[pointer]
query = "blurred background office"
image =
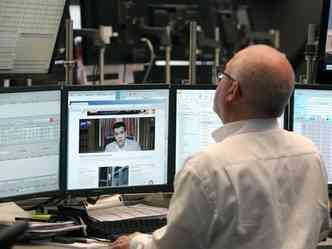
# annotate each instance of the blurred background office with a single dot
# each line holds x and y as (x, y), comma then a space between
(137, 48)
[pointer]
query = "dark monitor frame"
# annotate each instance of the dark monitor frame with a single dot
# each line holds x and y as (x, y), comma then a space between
(126, 189)
(287, 116)
(55, 193)
(323, 75)
(291, 114)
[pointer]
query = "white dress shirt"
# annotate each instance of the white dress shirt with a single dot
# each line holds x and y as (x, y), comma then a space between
(129, 145)
(259, 186)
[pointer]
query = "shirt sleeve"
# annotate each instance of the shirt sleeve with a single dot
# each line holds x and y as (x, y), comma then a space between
(189, 218)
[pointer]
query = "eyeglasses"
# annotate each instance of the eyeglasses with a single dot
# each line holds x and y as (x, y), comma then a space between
(222, 75)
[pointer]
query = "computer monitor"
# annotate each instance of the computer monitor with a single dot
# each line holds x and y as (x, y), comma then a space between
(30, 121)
(311, 110)
(196, 120)
(28, 32)
(117, 139)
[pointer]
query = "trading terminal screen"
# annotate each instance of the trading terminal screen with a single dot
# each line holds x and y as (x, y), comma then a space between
(117, 138)
(29, 142)
(312, 117)
(195, 122)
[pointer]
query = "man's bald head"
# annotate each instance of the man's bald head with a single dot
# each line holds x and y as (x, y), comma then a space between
(266, 79)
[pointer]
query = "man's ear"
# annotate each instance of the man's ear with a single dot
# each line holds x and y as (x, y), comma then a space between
(233, 92)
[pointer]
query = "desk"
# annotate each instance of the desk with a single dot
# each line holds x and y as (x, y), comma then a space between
(37, 247)
(53, 247)
(323, 245)
(82, 246)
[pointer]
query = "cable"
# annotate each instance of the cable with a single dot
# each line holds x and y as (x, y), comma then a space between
(152, 57)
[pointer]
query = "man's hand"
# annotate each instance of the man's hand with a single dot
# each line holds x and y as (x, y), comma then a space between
(121, 243)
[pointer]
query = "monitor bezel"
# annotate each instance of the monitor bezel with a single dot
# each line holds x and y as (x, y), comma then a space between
(286, 117)
(54, 193)
(126, 189)
(194, 87)
(323, 76)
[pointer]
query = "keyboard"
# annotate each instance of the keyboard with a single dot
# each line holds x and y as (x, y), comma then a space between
(113, 229)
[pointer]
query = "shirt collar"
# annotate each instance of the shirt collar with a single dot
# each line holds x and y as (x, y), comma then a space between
(251, 125)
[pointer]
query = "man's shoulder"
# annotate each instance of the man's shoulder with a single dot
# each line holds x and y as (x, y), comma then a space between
(278, 135)
(302, 141)
(207, 170)
(204, 162)
(132, 144)
(251, 146)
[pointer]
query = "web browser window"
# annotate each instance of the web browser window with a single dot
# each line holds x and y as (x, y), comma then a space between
(117, 138)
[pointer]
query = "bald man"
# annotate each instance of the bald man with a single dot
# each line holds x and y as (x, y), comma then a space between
(259, 186)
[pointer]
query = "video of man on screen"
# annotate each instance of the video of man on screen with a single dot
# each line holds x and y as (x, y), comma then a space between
(117, 135)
